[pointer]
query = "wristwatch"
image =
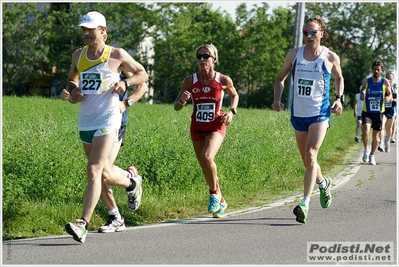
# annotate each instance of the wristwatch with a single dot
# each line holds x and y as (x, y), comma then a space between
(127, 83)
(341, 97)
(233, 110)
(129, 102)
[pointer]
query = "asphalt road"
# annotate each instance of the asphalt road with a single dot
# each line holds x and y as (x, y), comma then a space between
(363, 209)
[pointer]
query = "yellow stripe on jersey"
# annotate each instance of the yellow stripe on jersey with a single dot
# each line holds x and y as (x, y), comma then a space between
(85, 64)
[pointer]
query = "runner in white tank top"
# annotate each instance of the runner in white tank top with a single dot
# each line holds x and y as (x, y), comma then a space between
(93, 81)
(311, 86)
(311, 67)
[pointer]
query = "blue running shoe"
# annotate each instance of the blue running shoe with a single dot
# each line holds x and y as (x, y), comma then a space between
(214, 203)
(220, 212)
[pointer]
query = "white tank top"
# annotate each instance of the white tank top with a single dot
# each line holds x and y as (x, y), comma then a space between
(359, 105)
(100, 108)
(311, 81)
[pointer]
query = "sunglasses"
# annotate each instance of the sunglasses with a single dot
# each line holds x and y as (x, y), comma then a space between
(311, 32)
(205, 56)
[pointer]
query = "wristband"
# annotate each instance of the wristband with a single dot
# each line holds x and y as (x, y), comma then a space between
(340, 97)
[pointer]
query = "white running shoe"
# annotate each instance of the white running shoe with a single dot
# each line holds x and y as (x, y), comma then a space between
(134, 196)
(113, 225)
(132, 170)
(372, 159)
(380, 148)
(77, 230)
(387, 147)
(366, 154)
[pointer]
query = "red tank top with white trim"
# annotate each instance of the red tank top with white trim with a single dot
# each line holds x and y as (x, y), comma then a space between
(207, 101)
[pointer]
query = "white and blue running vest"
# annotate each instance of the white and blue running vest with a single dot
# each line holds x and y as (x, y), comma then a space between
(100, 108)
(311, 81)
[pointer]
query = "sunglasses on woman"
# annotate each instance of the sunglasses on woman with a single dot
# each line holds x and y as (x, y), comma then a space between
(205, 56)
(311, 32)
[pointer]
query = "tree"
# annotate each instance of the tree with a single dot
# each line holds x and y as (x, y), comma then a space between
(264, 41)
(39, 38)
(360, 33)
(183, 27)
(22, 33)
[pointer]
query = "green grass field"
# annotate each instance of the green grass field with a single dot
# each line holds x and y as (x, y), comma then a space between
(44, 166)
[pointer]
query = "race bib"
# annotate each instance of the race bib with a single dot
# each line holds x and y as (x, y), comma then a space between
(375, 105)
(91, 83)
(305, 88)
(388, 104)
(205, 112)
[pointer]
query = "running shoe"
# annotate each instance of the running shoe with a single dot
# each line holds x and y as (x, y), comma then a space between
(214, 203)
(78, 230)
(113, 225)
(357, 139)
(393, 140)
(372, 159)
(301, 212)
(366, 154)
(134, 196)
(220, 212)
(132, 170)
(380, 148)
(325, 194)
(387, 147)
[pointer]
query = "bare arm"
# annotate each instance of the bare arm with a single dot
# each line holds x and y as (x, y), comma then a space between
(339, 81)
(184, 94)
(388, 94)
(362, 93)
(128, 64)
(228, 85)
(75, 95)
(279, 83)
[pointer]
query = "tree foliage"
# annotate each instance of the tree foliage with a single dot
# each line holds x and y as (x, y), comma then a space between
(39, 39)
(21, 35)
(190, 25)
(264, 41)
(252, 46)
(360, 33)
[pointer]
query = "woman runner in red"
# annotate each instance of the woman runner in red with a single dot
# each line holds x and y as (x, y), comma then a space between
(208, 120)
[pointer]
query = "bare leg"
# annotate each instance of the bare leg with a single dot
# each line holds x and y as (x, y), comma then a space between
(374, 142)
(365, 136)
(388, 129)
(97, 153)
(309, 144)
(206, 152)
(106, 193)
(394, 124)
(358, 127)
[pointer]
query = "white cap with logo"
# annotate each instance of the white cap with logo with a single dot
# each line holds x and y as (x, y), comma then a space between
(92, 20)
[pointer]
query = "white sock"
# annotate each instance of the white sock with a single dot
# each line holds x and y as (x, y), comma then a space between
(115, 212)
(322, 184)
(306, 201)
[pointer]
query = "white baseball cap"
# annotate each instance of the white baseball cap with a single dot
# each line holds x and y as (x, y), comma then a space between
(92, 20)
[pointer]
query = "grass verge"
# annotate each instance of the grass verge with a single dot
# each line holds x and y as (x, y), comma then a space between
(44, 164)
